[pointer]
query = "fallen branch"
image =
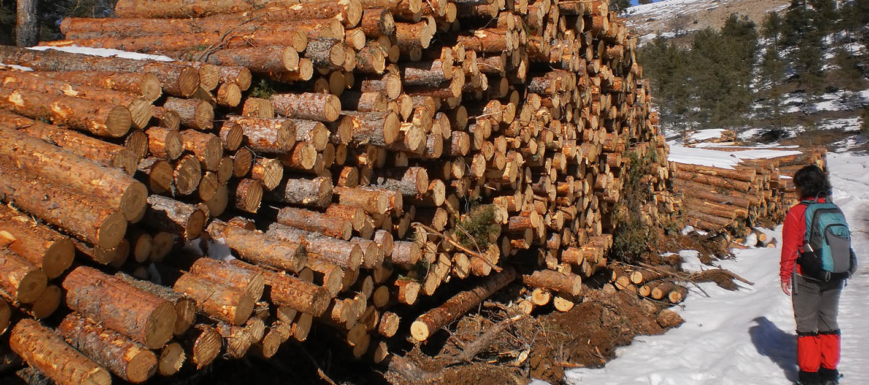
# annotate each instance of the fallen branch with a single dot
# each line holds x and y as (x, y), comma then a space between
(458, 245)
(471, 350)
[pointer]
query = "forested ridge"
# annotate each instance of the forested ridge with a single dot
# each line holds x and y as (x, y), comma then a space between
(739, 75)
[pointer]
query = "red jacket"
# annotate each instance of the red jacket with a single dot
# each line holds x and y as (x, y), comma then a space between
(793, 239)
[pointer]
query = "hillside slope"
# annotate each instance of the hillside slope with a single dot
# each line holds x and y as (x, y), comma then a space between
(674, 16)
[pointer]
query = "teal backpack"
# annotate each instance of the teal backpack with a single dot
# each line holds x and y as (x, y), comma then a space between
(827, 254)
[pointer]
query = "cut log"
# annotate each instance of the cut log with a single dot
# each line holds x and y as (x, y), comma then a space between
(206, 147)
(315, 222)
(104, 153)
(122, 356)
(165, 143)
(46, 351)
(182, 219)
(285, 290)
(67, 210)
(171, 359)
(185, 308)
(315, 192)
(167, 118)
(176, 79)
(145, 84)
(218, 301)
(236, 276)
(202, 345)
(97, 118)
(458, 305)
(115, 188)
(265, 135)
(40, 245)
(268, 171)
(372, 200)
(21, 279)
(187, 174)
(143, 317)
(340, 252)
(258, 248)
(568, 284)
(322, 107)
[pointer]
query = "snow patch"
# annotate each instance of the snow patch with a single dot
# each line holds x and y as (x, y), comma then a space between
(105, 52)
(722, 159)
(15, 67)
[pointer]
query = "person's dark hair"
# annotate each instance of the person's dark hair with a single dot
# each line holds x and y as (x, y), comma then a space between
(811, 182)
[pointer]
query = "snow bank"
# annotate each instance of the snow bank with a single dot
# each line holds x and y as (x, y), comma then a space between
(15, 67)
(712, 133)
(104, 52)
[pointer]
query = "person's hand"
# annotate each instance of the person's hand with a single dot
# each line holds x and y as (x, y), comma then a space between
(786, 287)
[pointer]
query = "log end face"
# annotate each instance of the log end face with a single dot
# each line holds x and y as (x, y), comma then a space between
(118, 121)
(141, 366)
(47, 303)
(244, 309)
(332, 110)
(419, 331)
(134, 201)
(188, 81)
(320, 301)
(58, 258)
(160, 325)
(150, 87)
(111, 231)
(185, 310)
(31, 286)
(195, 224)
(207, 347)
(347, 233)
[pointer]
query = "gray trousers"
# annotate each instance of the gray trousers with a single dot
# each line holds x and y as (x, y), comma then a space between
(816, 304)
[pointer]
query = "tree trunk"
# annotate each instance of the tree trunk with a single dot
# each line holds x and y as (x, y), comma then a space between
(143, 84)
(122, 356)
(40, 245)
(176, 79)
(286, 290)
(182, 219)
(372, 200)
(144, 317)
(260, 249)
(46, 351)
(26, 28)
(65, 209)
(218, 301)
(315, 222)
(458, 305)
(322, 107)
(100, 119)
(334, 250)
(185, 308)
(235, 276)
(266, 135)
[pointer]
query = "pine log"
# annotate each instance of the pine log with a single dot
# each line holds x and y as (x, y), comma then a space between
(458, 305)
(100, 119)
(194, 113)
(167, 118)
(203, 344)
(409, 182)
(235, 276)
(176, 79)
(337, 251)
(46, 351)
(265, 135)
(328, 274)
(165, 143)
(372, 200)
(114, 187)
(315, 222)
(376, 128)
(45, 248)
(143, 317)
(104, 153)
(315, 192)
(144, 84)
(21, 279)
(182, 219)
(122, 356)
(322, 107)
(286, 290)
(260, 249)
(60, 207)
(568, 284)
(256, 59)
(185, 308)
(216, 300)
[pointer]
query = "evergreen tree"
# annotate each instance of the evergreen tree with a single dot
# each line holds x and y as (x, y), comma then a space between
(847, 74)
(645, 1)
(772, 71)
(772, 26)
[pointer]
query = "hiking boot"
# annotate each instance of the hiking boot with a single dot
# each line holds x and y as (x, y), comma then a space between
(809, 378)
(828, 376)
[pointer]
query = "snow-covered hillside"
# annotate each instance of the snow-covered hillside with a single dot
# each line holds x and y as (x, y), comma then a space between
(747, 337)
(670, 17)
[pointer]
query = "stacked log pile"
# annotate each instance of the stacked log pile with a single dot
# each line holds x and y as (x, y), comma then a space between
(715, 135)
(754, 193)
(371, 165)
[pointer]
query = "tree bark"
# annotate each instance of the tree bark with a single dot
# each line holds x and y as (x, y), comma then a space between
(568, 284)
(26, 28)
(267, 135)
(334, 250)
(143, 317)
(315, 222)
(236, 276)
(286, 290)
(47, 249)
(122, 356)
(221, 302)
(322, 107)
(46, 351)
(260, 249)
(182, 219)
(315, 192)
(185, 308)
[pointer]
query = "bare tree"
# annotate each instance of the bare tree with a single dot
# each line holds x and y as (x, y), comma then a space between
(26, 31)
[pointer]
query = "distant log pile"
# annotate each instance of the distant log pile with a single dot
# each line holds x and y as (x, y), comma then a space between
(716, 135)
(349, 160)
(753, 193)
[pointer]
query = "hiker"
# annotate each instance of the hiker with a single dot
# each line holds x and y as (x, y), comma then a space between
(807, 268)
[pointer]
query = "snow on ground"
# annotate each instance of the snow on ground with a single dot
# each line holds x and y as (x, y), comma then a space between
(15, 67)
(700, 135)
(722, 159)
(105, 52)
(747, 337)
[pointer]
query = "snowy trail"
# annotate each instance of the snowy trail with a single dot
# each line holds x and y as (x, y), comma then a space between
(747, 337)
